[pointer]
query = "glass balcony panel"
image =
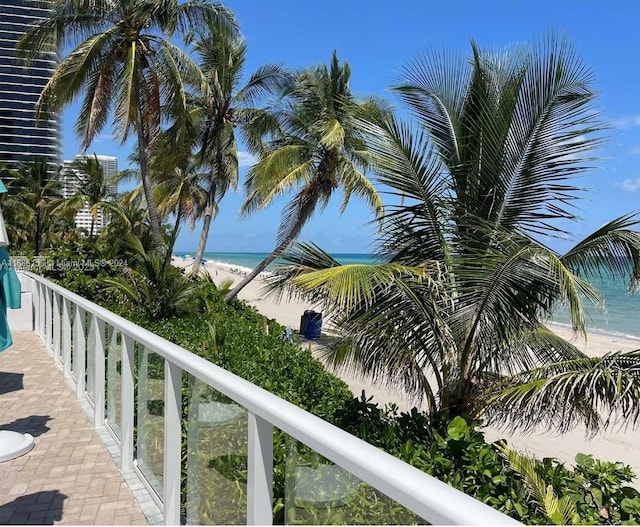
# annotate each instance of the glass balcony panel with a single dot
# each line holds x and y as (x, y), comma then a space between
(319, 492)
(150, 417)
(91, 359)
(56, 329)
(114, 379)
(216, 491)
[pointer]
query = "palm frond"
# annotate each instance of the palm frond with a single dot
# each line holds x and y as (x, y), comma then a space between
(127, 97)
(559, 511)
(595, 392)
(614, 248)
(71, 75)
(353, 181)
(276, 174)
(351, 285)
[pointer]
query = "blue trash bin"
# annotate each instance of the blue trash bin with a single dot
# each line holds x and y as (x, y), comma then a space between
(314, 325)
(303, 321)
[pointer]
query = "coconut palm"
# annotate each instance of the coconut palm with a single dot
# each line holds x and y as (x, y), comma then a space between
(34, 194)
(16, 218)
(153, 284)
(124, 63)
(133, 218)
(227, 106)
(91, 189)
(318, 149)
(180, 189)
(454, 311)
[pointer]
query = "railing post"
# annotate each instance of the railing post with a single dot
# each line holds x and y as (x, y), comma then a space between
(57, 326)
(66, 337)
(126, 401)
(260, 471)
(172, 442)
(41, 310)
(79, 352)
(35, 304)
(48, 326)
(36, 307)
(99, 372)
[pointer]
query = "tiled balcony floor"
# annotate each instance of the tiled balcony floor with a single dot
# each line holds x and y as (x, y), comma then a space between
(69, 477)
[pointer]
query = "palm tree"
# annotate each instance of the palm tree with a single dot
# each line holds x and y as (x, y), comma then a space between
(33, 195)
(124, 63)
(180, 189)
(16, 218)
(91, 189)
(454, 312)
(154, 285)
(133, 219)
(319, 148)
(224, 108)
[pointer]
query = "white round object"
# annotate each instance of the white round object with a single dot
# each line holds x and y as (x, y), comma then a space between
(14, 444)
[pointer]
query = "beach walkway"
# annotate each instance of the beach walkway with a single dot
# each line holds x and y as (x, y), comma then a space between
(69, 477)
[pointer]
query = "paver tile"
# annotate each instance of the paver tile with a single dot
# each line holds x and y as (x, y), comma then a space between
(69, 477)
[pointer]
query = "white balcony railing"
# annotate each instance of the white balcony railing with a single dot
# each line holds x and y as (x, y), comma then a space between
(133, 381)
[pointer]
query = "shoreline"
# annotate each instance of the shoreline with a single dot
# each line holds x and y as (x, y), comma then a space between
(613, 445)
(562, 326)
(184, 260)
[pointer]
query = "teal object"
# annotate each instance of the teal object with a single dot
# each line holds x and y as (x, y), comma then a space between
(10, 289)
(3, 189)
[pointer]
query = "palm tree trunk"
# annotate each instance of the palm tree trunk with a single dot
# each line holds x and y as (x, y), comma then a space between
(36, 244)
(91, 227)
(284, 245)
(174, 235)
(177, 224)
(154, 217)
(206, 225)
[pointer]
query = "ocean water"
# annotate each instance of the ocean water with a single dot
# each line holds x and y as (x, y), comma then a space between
(621, 314)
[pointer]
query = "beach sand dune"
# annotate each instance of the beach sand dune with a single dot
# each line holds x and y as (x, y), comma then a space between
(612, 445)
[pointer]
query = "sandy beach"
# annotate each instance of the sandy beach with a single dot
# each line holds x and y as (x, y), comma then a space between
(613, 445)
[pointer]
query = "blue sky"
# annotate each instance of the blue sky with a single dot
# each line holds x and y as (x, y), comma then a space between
(378, 39)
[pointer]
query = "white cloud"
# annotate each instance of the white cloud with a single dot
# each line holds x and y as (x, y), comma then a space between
(635, 150)
(627, 122)
(245, 159)
(104, 137)
(572, 141)
(631, 185)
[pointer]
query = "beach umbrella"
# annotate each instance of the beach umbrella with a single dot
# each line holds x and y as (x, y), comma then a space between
(12, 444)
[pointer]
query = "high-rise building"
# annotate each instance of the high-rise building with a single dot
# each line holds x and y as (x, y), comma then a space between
(21, 139)
(71, 178)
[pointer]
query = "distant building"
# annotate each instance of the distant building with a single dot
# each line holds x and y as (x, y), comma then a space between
(20, 139)
(70, 178)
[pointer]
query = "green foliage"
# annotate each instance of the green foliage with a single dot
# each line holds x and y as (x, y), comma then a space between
(557, 510)
(238, 344)
(607, 496)
(78, 265)
(31, 204)
(153, 284)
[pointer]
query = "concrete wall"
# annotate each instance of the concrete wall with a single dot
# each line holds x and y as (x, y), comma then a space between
(22, 319)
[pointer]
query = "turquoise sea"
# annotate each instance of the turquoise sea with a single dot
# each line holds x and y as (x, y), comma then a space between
(622, 310)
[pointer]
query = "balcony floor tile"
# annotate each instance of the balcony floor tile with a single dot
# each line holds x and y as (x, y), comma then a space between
(69, 477)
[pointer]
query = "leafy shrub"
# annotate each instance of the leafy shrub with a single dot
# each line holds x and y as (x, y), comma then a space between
(153, 284)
